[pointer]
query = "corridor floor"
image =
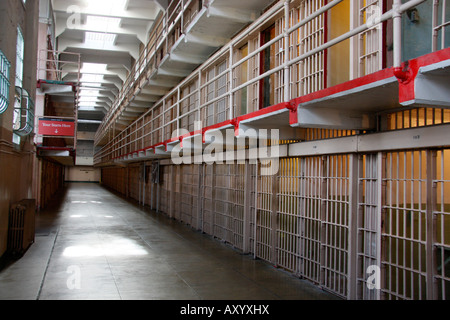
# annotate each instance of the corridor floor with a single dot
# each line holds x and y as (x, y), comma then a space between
(95, 245)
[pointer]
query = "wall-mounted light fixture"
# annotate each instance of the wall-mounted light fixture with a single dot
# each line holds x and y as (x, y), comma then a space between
(413, 15)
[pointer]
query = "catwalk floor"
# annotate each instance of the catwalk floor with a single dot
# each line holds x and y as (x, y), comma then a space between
(94, 245)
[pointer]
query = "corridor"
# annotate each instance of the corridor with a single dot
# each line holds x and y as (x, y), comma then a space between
(94, 245)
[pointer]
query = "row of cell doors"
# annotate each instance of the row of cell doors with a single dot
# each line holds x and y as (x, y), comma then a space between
(363, 226)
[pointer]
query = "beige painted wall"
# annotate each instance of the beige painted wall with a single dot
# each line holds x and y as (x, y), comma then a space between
(82, 174)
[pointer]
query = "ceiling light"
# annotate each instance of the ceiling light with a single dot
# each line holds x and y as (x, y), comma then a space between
(100, 40)
(93, 68)
(103, 24)
(88, 104)
(107, 6)
(91, 80)
(89, 93)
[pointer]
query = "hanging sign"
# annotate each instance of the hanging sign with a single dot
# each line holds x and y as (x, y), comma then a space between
(56, 127)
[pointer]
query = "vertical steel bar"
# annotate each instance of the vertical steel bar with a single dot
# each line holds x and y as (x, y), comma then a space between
(144, 184)
(431, 224)
(247, 210)
(158, 195)
(354, 176)
(322, 214)
(286, 52)
(390, 231)
(255, 226)
(200, 183)
(381, 219)
(274, 217)
(404, 223)
(444, 7)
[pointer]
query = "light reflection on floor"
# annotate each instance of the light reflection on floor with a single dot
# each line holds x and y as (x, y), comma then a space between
(116, 247)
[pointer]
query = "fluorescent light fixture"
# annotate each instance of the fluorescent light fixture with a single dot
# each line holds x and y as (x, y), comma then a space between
(100, 40)
(88, 104)
(107, 6)
(92, 80)
(85, 99)
(102, 24)
(89, 93)
(93, 68)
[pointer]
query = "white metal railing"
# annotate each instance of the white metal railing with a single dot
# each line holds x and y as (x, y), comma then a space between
(52, 69)
(23, 122)
(439, 27)
(167, 29)
(4, 82)
(141, 134)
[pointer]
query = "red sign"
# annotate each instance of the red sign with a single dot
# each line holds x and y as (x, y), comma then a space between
(54, 127)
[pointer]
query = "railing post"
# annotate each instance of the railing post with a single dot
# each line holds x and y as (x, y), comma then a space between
(397, 29)
(287, 75)
(230, 81)
(434, 32)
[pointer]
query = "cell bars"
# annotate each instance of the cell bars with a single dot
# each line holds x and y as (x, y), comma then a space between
(229, 204)
(189, 194)
(307, 76)
(362, 226)
(370, 41)
(405, 230)
(416, 234)
(441, 213)
(369, 223)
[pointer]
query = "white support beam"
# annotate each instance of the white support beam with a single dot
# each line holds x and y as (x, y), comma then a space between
(134, 110)
(232, 14)
(433, 89)
(130, 48)
(179, 73)
(154, 91)
(195, 60)
(417, 138)
(164, 4)
(146, 98)
(283, 132)
(129, 31)
(328, 118)
(165, 83)
(86, 8)
(206, 40)
(140, 104)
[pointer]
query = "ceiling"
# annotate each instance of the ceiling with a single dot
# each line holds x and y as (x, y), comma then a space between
(108, 35)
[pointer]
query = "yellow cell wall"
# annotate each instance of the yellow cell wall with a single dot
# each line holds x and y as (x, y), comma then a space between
(338, 55)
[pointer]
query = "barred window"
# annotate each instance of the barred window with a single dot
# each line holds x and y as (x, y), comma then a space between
(19, 58)
(4, 82)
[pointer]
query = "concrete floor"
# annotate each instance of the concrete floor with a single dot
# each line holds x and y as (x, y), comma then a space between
(94, 245)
